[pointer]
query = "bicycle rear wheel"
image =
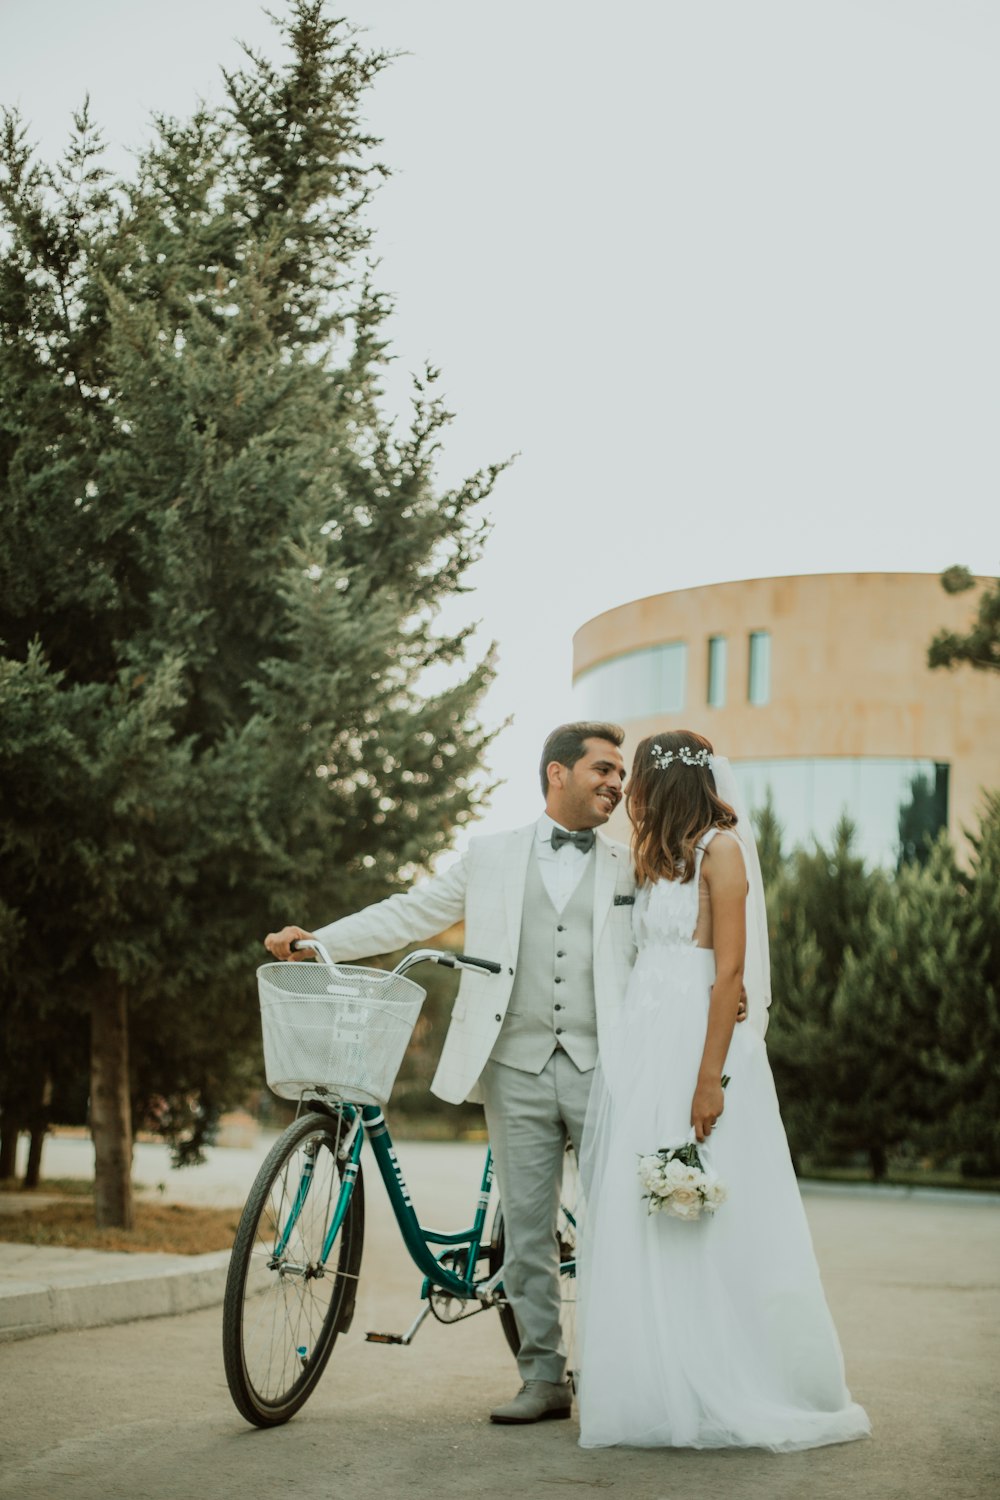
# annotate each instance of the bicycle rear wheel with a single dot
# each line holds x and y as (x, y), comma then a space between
(566, 1236)
(284, 1303)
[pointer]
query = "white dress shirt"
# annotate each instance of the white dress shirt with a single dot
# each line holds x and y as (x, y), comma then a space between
(562, 868)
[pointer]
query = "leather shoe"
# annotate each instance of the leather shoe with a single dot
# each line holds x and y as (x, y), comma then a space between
(537, 1401)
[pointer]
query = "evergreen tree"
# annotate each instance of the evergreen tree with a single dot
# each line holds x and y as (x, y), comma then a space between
(218, 579)
(897, 976)
(979, 647)
(969, 1016)
(817, 910)
(923, 816)
(767, 831)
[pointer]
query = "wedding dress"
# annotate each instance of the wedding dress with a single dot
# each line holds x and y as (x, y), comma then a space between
(714, 1332)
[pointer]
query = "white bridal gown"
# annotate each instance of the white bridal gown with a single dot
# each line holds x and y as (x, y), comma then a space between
(709, 1333)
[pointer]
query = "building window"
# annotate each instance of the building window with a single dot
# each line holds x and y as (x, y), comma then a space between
(897, 806)
(759, 689)
(635, 685)
(717, 671)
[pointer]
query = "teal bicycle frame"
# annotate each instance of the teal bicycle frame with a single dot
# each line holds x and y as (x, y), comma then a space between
(465, 1245)
(459, 1282)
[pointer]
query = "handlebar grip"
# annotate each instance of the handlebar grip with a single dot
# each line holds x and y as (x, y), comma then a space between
(299, 945)
(480, 963)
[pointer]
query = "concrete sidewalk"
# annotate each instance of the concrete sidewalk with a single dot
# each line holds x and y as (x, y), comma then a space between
(46, 1289)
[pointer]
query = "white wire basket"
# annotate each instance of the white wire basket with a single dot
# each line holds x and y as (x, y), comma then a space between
(335, 1030)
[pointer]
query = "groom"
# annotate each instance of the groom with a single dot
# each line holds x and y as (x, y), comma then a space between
(553, 904)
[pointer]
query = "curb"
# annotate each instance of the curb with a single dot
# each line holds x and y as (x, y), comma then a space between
(112, 1294)
(896, 1191)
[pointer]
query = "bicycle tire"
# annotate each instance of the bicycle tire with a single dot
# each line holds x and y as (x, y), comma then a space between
(283, 1310)
(566, 1231)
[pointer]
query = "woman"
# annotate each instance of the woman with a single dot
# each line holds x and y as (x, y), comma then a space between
(714, 1331)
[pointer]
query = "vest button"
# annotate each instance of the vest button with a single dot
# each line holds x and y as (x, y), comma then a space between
(558, 1031)
(560, 954)
(560, 929)
(557, 1007)
(558, 979)
(498, 1018)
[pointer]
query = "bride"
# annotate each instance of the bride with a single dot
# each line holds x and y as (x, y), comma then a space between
(708, 1332)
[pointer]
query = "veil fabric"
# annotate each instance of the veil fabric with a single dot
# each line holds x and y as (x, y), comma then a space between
(757, 964)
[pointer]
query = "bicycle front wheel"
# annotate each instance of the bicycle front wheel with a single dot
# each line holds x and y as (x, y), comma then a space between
(285, 1301)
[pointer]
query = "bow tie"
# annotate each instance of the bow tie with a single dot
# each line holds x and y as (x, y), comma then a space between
(583, 839)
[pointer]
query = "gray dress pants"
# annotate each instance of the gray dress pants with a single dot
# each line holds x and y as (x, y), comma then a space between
(529, 1116)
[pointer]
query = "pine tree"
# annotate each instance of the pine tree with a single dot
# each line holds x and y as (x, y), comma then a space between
(767, 831)
(896, 978)
(979, 647)
(817, 909)
(923, 815)
(969, 1017)
(218, 580)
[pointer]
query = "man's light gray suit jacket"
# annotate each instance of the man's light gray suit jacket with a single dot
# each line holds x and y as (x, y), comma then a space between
(485, 888)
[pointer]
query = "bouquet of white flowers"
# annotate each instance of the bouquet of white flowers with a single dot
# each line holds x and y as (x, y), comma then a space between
(677, 1182)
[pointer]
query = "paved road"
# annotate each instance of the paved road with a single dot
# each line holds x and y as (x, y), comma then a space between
(141, 1411)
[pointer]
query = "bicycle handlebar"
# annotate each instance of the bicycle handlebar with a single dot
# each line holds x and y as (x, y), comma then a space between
(464, 960)
(422, 955)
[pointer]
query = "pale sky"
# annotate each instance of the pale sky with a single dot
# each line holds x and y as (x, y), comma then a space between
(723, 274)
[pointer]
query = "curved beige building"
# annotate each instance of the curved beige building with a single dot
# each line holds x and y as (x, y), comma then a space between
(818, 688)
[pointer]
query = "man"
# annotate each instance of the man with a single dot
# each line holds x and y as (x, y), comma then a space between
(552, 903)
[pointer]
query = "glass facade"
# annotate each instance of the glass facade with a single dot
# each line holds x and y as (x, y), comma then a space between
(759, 679)
(634, 685)
(717, 671)
(896, 805)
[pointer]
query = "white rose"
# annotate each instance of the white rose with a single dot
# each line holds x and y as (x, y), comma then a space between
(649, 1171)
(685, 1203)
(715, 1195)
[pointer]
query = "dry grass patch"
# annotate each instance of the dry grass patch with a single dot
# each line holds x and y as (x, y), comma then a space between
(171, 1228)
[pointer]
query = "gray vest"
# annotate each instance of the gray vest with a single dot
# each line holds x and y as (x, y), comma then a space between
(552, 1001)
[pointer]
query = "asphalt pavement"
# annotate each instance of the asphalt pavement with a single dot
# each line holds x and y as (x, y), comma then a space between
(140, 1410)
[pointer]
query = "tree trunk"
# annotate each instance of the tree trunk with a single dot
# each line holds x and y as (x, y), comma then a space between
(38, 1124)
(9, 1133)
(111, 1109)
(879, 1160)
(33, 1171)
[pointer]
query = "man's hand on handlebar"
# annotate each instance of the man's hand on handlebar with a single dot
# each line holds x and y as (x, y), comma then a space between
(278, 943)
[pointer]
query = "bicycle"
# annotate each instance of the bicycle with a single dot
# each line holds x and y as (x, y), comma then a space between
(293, 1274)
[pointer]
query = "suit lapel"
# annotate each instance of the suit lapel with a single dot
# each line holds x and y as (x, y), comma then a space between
(605, 879)
(515, 874)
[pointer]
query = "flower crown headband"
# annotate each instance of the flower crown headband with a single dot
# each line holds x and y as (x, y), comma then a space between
(663, 758)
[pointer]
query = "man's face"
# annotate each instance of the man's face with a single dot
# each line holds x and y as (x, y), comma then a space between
(585, 795)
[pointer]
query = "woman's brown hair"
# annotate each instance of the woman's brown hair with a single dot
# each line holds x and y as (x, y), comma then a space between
(672, 807)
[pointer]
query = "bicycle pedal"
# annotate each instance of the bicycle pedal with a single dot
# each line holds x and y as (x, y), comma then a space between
(384, 1338)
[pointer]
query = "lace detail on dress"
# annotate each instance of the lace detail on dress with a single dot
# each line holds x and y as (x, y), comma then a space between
(665, 915)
